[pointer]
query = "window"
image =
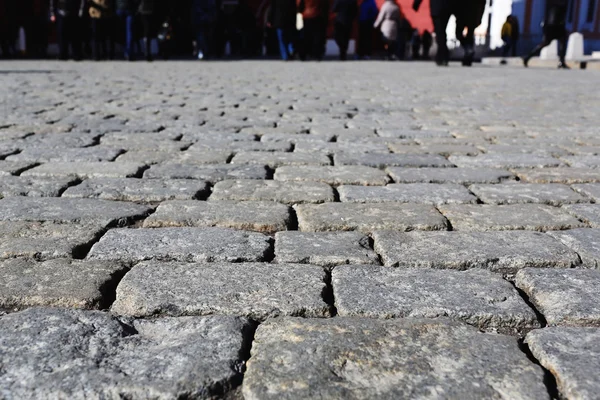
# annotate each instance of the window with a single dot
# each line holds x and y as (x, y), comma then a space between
(590, 11)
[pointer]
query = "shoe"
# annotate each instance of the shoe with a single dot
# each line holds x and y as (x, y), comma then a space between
(563, 65)
(503, 62)
(525, 62)
(200, 55)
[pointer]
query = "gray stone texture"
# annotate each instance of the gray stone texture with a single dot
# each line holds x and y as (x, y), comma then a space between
(586, 242)
(588, 213)
(140, 190)
(34, 187)
(582, 161)
(211, 173)
(56, 283)
(477, 297)
(333, 148)
(70, 210)
(278, 159)
(181, 157)
(425, 193)
(76, 354)
(258, 216)
(464, 176)
(557, 175)
(343, 358)
(87, 154)
(181, 244)
(327, 249)
(485, 217)
(506, 160)
(504, 252)
(282, 192)
(382, 160)
(8, 168)
(591, 190)
(367, 218)
(254, 290)
(85, 170)
(563, 296)
(346, 175)
(573, 357)
(520, 193)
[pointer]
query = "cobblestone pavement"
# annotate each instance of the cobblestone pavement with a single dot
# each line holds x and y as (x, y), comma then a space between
(263, 230)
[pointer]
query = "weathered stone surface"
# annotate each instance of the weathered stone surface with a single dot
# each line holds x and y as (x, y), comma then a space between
(588, 213)
(181, 157)
(413, 134)
(282, 192)
(442, 149)
(465, 176)
(367, 218)
(564, 297)
(327, 249)
(258, 216)
(60, 140)
(7, 149)
(87, 154)
(332, 148)
(228, 145)
(504, 252)
(586, 242)
(381, 160)
(138, 142)
(76, 354)
(506, 160)
(56, 283)
(8, 168)
(278, 159)
(534, 217)
(591, 190)
(343, 358)
(573, 357)
(425, 193)
(541, 149)
(347, 175)
(557, 175)
(254, 290)
(587, 161)
(519, 193)
(85, 170)
(69, 210)
(46, 240)
(212, 173)
(181, 244)
(34, 187)
(143, 190)
(477, 297)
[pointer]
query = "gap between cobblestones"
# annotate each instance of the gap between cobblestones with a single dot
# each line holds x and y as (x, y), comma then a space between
(549, 378)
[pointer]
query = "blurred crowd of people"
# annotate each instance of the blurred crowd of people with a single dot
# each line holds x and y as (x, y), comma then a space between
(206, 29)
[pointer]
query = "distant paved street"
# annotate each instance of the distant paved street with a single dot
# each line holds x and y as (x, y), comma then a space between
(269, 230)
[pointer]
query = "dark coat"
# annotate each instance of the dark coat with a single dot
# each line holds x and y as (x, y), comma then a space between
(345, 11)
(67, 8)
(282, 14)
(125, 5)
(556, 12)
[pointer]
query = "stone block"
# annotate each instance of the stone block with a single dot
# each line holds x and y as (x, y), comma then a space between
(34, 187)
(86, 154)
(557, 175)
(85, 170)
(463, 176)
(278, 159)
(346, 175)
(588, 213)
(591, 190)
(424, 193)
(8, 168)
(506, 160)
(520, 193)
(282, 192)
(211, 173)
(586, 242)
(381, 160)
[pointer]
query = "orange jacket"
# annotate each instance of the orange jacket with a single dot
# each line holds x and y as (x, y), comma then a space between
(313, 8)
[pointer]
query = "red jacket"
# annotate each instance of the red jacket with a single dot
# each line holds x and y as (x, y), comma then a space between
(313, 8)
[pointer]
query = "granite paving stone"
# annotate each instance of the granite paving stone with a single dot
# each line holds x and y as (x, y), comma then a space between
(327, 249)
(585, 161)
(565, 296)
(140, 190)
(425, 193)
(590, 190)
(520, 193)
(258, 216)
(345, 175)
(557, 175)
(53, 209)
(368, 218)
(56, 283)
(181, 244)
(46, 240)
(140, 143)
(179, 157)
(503, 252)
(279, 191)
(75, 354)
(254, 290)
(87, 154)
(586, 242)
(572, 354)
(381, 160)
(333, 148)
(464, 176)
(59, 140)
(211, 173)
(8, 168)
(342, 358)
(278, 159)
(34, 187)
(477, 297)
(240, 146)
(442, 149)
(505, 160)
(85, 170)
(588, 213)
(485, 217)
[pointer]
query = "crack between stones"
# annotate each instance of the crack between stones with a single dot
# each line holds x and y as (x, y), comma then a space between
(327, 294)
(549, 379)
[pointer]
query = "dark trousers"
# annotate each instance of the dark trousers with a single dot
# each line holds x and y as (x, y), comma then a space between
(514, 47)
(147, 35)
(103, 38)
(285, 39)
(36, 31)
(314, 37)
(67, 28)
(553, 32)
(204, 33)
(508, 45)
(365, 39)
(440, 22)
(342, 38)
(126, 20)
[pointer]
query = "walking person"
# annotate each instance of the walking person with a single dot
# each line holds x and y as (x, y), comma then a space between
(367, 14)
(515, 33)
(555, 28)
(315, 14)
(101, 14)
(441, 10)
(146, 11)
(468, 17)
(388, 22)
(67, 14)
(282, 18)
(126, 16)
(506, 35)
(345, 14)
(204, 18)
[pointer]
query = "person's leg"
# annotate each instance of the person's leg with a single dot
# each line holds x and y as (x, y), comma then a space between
(63, 43)
(513, 47)
(545, 42)
(129, 36)
(283, 51)
(75, 34)
(439, 23)
(340, 39)
(562, 47)
(96, 38)
(146, 23)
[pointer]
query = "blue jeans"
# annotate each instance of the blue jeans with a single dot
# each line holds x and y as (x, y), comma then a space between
(286, 48)
(127, 18)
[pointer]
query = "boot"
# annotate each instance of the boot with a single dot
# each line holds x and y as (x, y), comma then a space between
(563, 65)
